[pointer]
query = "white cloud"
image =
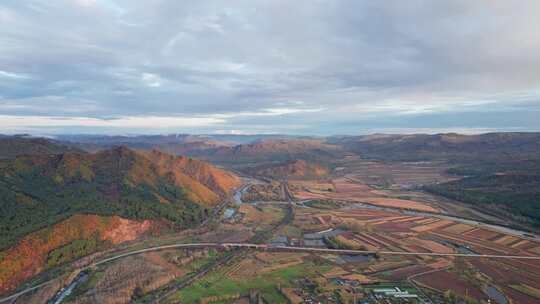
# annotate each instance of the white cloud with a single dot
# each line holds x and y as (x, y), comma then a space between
(4, 74)
(268, 112)
(135, 122)
(462, 130)
(241, 132)
(85, 3)
(151, 80)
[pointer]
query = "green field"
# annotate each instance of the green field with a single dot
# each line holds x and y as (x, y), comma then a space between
(216, 284)
(323, 204)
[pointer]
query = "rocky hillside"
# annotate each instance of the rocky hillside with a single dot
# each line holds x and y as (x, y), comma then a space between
(77, 236)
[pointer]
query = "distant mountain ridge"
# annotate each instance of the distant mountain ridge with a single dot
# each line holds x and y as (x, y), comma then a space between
(449, 146)
(219, 149)
(272, 150)
(12, 146)
(235, 148)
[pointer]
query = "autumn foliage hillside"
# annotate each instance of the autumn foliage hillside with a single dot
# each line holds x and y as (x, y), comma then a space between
(55, 208)
(216, 180)
(77, 236)
(40, 190)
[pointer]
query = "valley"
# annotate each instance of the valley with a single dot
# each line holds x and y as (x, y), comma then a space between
(282, 231)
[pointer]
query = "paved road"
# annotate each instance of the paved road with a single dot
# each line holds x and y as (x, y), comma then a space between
(284, 248)
(364, 252)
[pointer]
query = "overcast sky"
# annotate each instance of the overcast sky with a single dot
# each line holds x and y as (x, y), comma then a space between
(299, 67)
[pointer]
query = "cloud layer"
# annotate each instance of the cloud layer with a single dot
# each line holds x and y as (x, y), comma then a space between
(305, 67)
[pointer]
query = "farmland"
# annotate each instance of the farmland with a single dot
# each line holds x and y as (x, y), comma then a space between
(350, 209)
(264, 277)
(385, 230)
(371, 229)
(278, 277)
(345, 189)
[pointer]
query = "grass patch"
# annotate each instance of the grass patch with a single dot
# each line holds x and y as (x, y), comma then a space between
(323, 204)
(276, 213)
(216, 284)
(192, 268)
(291, 231)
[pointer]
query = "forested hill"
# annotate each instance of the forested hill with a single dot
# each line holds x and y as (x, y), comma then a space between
(39, 190)
(511, 194)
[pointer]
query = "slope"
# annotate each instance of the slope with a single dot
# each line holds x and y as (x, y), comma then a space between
(291, 169)
(40, 190)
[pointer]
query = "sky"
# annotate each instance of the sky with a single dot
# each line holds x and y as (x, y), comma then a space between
(313, 67)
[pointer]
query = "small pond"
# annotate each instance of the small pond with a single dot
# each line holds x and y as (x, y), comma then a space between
(494, 294)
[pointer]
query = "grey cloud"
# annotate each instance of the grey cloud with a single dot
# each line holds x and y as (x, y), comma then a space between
(355, 59)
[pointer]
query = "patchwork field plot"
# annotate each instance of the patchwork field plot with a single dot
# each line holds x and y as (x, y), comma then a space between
(432, 226)
(260, 214)
(458, 228)
(431, 246)
(444, 280)
(346, 189)
(389, 230)
(399, 203)
(484, 234)
(399, 174)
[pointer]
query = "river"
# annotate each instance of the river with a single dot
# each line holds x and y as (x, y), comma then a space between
(63, 293)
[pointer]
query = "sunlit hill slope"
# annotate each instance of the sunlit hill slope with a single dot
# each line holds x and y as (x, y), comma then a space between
(46, 200)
